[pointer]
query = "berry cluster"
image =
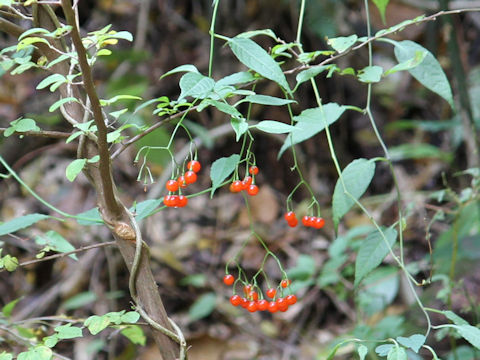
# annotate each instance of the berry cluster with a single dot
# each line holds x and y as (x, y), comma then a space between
(251, 300)
(248, 183)
(174, 185)
(309, 221)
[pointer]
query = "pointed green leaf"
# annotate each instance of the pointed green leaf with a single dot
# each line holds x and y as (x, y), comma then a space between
(130, 317)
(397, 353)
(135, 334)
(252, 33)
(414, 342)
(181, 68)
(8, 308)
(384, 349)
(10, 262)
(428, 72)
(342, 43)
(457, 320)
(308, 74)
(68, 331)
(79, 300)
(256, 58)
(372, 252)
(195, 85)
(61, 102)
(408, 64)
(274, 127)
(52, 79)
(470, 333)
(310, 122)
(20, 223)
(267, 100)
(29, 41)
(236, 78)
(145, 208)
(370, 74)
(39, 352)
(382, 7)
(74, 168)
(221, 169)
(96, 323)
(56, 242)
(203, 307)
(356, 178)
(240, 126)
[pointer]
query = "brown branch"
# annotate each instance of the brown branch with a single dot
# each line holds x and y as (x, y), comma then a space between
(60, 255)
(10, 28)
(112, 208)
(41, 133)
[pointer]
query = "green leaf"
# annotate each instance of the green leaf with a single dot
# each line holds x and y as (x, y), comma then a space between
(222, 106)
(221, 169)
(29, 41)
(116, 98)
(8, 308)
(356, 178)
(39, 352)
(20, 223)
(4, 355)
(130, 317)
(61, 102)
(203, 307)
(457, 320)
(196, 280)
(384, 349)
(89, 217)
(124, 35)
(428, 72)
(397, 353)
(304, 268)
(181, 68)
(362, 351)
(414, 342)
(408, 64)
(56, 242)
(470, 333)
(195, 85)
(50, 341)
(240, 126)
(372, 252)
(342, 43)
(382, 7)
(135, 334)
(79, 300)
(418, 151)
(256, 58)
(74, 168)
(308, 74)
(21, 125)
(68, 331)
(267, 100)
(96, 323)
(310, 122)
(252, 33)
(370, 74)
(52, 80)
(274, 127)
(10, 262)
(236, 78)
(145, 208)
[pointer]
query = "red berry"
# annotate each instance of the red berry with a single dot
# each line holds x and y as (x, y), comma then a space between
(293, 223)
(272, 306)
(247, 288)
(182, 201)
(253, 170)
(271, 293)
(290, 216)
(228, 279)
(235, 300)
(282, 304)
(190, 177)
(252, 190)
(244, 303)
(252, 306)
(170, 200)
(318, 223)
(253, 295)
(181, 182)
(305, 220)
(262, 305)
(291, 299)
(246, 182)
(285, 283)
(172, 185)
(194, 165)
(236, 186)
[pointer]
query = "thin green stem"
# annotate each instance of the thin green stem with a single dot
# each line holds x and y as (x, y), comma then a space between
(300, 23)
(212, 37)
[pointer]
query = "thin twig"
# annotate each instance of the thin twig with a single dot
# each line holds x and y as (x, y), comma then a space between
(41, 133)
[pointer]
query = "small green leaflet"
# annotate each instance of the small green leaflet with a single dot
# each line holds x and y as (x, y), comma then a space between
(240, 126)
(135, 334)
(342, 43)
(408, 64)
(384, 349)
(8, 308)
(79, 300)
(428, 72)
(382, 7)
(221, 169)
(356, 178)
(20, 223)
(195, 85)
(310, 122)
(308, 74)
(21, 125)
(397, 353)
(256, 58)
(96, 323)
(372, 252)
(56, 242)
(414, 342)
(236, 78)
(39, 352)
(74, 168)
(252, 33)
(267, 100)
(61, 102)
(68, 331)
(54, 81)
(145, 208)
(274, 127)
(10, 263)
(181, 68)
(4, 355)
(370, 74)
(203, 307)
(362, 351)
